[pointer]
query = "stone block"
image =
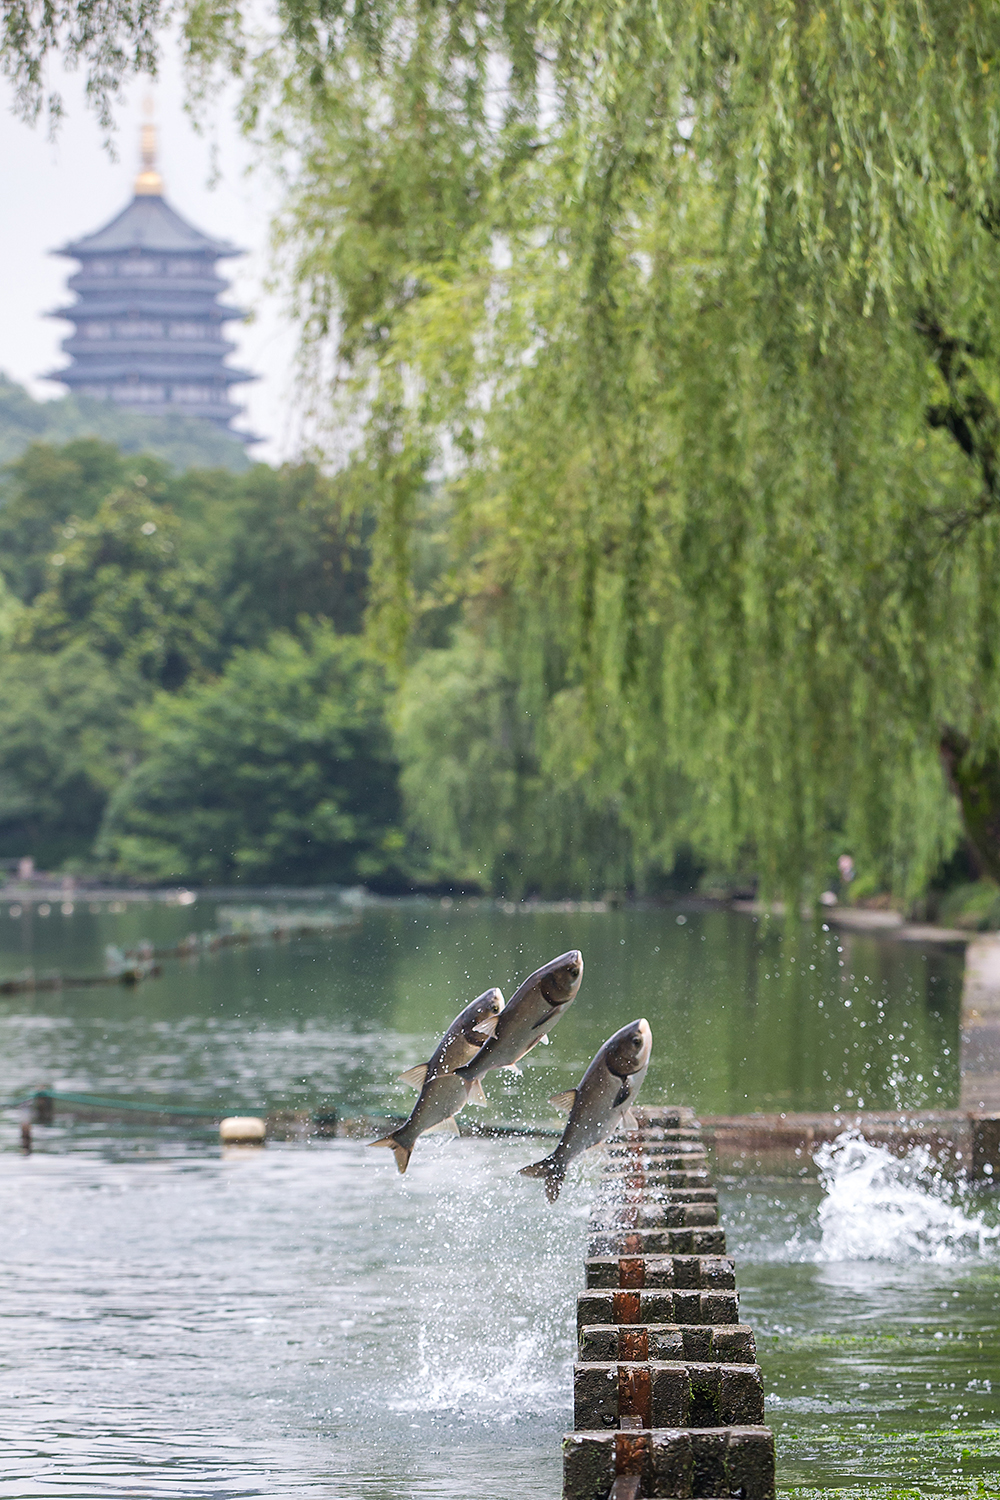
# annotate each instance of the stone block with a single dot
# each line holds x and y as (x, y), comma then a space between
(662, 1215)
(749, 1463)
(650, 1241)
(986, 1148)
(666, 1116)
(588, 1465)
(645, 1210)
(666, 1394)
(715, 1273)
(623, 1180)
(662, 1145)
(732, 1344)
(659, 1133)
(676, 1464)
(595, 1396)
(658, 1305)
(690, 1245)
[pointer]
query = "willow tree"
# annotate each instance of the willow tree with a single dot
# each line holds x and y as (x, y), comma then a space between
(692, 309)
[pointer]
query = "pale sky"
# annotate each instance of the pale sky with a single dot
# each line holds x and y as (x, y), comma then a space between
(57, 190)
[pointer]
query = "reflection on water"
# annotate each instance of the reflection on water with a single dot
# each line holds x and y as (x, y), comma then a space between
(303, 1321)
(745, 1014)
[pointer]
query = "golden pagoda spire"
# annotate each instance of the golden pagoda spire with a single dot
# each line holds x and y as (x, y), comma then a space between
(149, 183)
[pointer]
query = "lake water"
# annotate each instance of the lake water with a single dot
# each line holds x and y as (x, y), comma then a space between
(304, 1322)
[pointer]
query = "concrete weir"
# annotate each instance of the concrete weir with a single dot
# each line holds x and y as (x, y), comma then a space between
(668, 1398)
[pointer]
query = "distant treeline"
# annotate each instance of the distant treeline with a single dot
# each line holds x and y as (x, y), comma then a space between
(182, 441)
(188, 694)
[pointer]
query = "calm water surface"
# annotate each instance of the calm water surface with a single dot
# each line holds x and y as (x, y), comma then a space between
(304, 1322)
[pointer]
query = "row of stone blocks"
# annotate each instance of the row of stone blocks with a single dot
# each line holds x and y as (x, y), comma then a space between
(668, 1398)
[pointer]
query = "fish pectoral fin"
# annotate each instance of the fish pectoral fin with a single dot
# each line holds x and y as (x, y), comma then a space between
(443, 1127)
(483, 1030)
(563, 1101)
(545, 1041)
(628, 1121)
(543, 1022)
(477, 1094)
(623, 1095)
(415, 1076)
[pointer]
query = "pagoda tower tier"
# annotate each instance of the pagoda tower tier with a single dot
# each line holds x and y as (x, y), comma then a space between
(147, 318)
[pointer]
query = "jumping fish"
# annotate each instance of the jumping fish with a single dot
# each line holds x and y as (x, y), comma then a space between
(600, 1102)
(535, 1006)
(442, 1095)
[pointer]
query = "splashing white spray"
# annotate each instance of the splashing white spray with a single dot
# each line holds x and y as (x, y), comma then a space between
(883, 1207)
(497, 1381)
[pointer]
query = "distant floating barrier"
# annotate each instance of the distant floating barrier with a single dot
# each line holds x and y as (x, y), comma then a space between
(238, 925)
(129, 973)
(323, 1122)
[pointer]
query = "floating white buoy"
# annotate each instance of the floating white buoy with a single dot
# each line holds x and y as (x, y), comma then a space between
(242, 1130)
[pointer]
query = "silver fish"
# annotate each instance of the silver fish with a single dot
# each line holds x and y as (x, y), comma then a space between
(532, 1010)
(600, 1102)
(442, 1095)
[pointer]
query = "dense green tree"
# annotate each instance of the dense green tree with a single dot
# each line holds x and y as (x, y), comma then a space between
(293, 546)
(67, 738)
(123, 586)
(180, 441)
(282, 769)
(51, 489)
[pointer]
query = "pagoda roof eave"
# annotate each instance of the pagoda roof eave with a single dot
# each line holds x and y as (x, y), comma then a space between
(148, 223)
(133, 370)
(186, 285)
(220, 314)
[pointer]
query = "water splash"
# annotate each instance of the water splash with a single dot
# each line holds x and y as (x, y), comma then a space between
(889, 1208)
(496, 1380)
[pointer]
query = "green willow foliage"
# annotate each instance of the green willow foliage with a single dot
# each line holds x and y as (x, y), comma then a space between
(694, 307)
(492, 793)
(691, 309)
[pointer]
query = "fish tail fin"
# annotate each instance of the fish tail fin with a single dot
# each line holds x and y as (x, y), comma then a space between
(402, 1153)
(553, 1172)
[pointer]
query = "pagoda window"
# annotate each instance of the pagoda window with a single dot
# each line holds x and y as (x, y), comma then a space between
(190, 330)
(94, 330)
(185, 267)
(137, 391)
(138, 265)
(101, 268)
(140, 328)
(200, 393)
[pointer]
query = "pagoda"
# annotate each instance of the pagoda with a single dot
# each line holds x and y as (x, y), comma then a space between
(147, 320)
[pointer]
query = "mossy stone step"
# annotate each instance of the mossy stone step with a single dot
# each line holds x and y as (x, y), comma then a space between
(638, 1270)
(666, 1393)
(685, 1306)
(709, 1272)
(672, 1463)
(712, 1343)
